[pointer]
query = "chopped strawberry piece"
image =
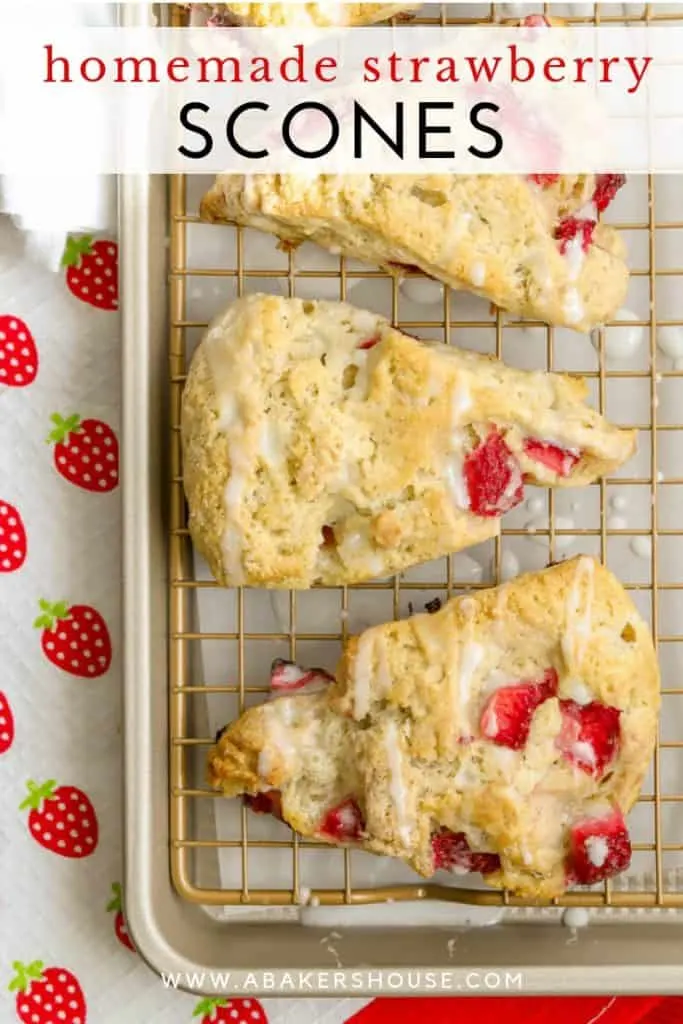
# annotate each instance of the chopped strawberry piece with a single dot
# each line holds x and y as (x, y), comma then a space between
(343, 823)
(266, 803)
(535, 21)
(574, 227)
(452, 853)
(544, 180)
(606, 188)
(369, 343)
(329, 539)
(558, 460)
(286, 676)
(507, 714)
(599, 848)
(590, 734)
(493, 477)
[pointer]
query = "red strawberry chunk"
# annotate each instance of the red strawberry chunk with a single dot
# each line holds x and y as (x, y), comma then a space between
(599, 848)
(287, 677)
(329, 539)
(574, 227)
(266, 803)
(535, 21)
(493, 477)
(606, 188)
(452, 853)
(590, 734)
(369, 342)
(343, 823)
(506, 718)
(544, 180)
(557, 460)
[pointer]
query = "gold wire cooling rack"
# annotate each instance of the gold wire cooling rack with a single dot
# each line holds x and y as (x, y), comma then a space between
(188, 692)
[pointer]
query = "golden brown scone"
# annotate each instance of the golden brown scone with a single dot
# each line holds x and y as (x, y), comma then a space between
(508, 733)
(304, 14)
(532, 247)
(322, 446)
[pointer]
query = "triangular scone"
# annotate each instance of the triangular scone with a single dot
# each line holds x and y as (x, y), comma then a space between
(508, 734)
(304, 14)
(323, 446)
(532, 247)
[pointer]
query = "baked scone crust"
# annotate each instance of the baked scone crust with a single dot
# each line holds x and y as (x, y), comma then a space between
(317, 14)
(292, 425)
(400, 733)
(493, 235)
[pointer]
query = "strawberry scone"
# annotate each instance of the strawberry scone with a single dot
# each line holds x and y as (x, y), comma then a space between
(303, 15)
(533, 246)
(507, 734)
(322, 446)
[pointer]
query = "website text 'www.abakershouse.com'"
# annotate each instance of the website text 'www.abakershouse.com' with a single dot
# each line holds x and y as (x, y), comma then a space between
(339, 982)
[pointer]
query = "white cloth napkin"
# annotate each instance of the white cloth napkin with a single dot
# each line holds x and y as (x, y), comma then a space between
(44, 207)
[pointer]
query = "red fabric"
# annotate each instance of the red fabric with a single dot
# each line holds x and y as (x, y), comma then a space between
(523, 1010)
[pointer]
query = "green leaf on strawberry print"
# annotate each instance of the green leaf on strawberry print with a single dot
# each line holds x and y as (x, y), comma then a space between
(25, 974)
(63, 427)
(51, 614)
(115, 901)
(207, 1006)
(75, 248)
(36, 794)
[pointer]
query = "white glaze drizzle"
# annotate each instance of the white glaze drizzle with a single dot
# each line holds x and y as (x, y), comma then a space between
(578, 613)
(362, 670)
(384, 681)
(477, 274)
(397, 788)
(597, 850)
(573, 307)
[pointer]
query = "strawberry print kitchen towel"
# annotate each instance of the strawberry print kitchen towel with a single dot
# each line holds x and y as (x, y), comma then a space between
(66, 956)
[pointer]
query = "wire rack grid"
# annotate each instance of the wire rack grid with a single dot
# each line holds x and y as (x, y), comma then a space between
(195, 842)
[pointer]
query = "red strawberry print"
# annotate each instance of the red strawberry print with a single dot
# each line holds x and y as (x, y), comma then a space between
(590, 734)
(452, 853)
(574, 227)
(507, 714)
(61, 819)
(6, 725)
(493, 477)
(266, 803)
(230, 1011)
(599, 848)
(92, 271)
(47, 995)
(544, 180)
(557, 460)
(343, 823)
(287, 677)
(13, 542)
(86, 452)
(120, 928)
(75, 638)
(606, 188)
(18, 353)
